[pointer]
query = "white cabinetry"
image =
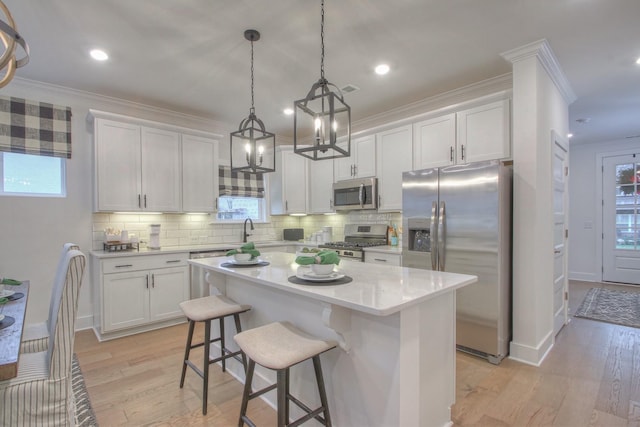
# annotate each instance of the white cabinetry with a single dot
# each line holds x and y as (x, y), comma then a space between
(434, 142)
(484, 132)
(199, 174)
(321, 186)
(361, 163)
(393, 153)
(382, 258)
(137, 168)
(137, 293)
(289, 183)
(471, 135)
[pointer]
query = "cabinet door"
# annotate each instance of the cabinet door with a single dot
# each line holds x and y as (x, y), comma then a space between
(383, 259)
(484, 132)
(295, 182)
(365, 156)
(161, 178)
(125, 300)
(168, 288)
(434, 142)
(394, 150)
(117, 162)
(199, 174)
(321, 186)
(343, 166)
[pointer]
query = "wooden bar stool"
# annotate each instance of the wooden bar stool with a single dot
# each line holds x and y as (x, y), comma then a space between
(279, 346)
(205, 310)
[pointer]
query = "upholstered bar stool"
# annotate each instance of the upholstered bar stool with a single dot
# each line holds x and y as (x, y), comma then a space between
(279, 346)
(206, 309)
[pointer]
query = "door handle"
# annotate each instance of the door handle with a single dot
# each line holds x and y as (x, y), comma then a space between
(145, 200)
(451, 153)
(139, 202)
(147, 281)
(462, 151)
(434, 235)
(442, 236)
(556, 251)
(153, 280)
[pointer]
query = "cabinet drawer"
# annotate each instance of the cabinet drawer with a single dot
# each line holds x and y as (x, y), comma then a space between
(134, 263)
(381, 258)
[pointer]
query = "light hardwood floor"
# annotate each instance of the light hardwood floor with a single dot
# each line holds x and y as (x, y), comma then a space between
(590, 378)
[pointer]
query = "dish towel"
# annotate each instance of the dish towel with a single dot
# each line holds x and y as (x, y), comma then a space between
(323, 257)
(247, 248)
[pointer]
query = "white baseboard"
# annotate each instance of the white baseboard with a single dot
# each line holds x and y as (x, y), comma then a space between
(84, 322)
(585, 277)
(531, 355)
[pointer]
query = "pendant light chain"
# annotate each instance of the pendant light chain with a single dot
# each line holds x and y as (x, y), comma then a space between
(322, 41)
(252, 107)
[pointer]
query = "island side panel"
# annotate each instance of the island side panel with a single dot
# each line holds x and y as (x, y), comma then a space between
(363, 386)
(427, 361)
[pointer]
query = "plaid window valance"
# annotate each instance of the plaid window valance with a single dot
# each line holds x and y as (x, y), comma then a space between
(240, 184)
(31, 127)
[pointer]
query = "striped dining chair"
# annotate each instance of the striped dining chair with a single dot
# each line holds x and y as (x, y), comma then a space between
(41, 394)
(35, 337)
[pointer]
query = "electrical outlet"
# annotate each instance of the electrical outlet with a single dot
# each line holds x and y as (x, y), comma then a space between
(193, 239)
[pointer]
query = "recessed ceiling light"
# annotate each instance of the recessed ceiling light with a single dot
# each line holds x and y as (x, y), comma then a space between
(288, 111)
(382, 69)
(99, 55)
(638, 61)
(569, 135)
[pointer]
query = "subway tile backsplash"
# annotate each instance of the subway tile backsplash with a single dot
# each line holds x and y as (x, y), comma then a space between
(198, 229)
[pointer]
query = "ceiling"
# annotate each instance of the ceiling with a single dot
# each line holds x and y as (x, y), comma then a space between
(191, 56)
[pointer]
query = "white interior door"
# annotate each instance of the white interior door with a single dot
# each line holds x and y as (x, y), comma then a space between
(560, 212)
(621, 219)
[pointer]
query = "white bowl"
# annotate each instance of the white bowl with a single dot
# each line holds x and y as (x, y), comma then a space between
(242, 257)
(322, 269)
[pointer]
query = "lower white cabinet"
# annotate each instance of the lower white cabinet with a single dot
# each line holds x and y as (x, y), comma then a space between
(138, 293)
(382, 258)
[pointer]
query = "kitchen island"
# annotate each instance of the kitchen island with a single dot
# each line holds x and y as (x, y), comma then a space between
(395, 364)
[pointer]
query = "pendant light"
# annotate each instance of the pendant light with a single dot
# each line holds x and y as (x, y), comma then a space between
(9, 37)
(322, 120)
(252, 147)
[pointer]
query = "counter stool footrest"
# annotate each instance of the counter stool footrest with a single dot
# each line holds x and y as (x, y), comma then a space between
(248, 421)
(261, 392)
(310, 413)
(236, 355)
(196, 369)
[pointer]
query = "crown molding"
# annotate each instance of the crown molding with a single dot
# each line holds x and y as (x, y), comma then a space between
(90, 99)
(542, 50)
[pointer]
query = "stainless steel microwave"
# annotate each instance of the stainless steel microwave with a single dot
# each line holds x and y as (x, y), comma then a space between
(355, 194)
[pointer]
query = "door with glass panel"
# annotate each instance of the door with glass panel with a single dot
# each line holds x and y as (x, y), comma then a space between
(621, 219)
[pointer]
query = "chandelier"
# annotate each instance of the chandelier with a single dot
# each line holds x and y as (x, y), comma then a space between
(10, 37)
(252, 148)
(324, 115)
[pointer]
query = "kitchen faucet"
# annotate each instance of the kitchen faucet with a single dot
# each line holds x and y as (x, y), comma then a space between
(244, 232)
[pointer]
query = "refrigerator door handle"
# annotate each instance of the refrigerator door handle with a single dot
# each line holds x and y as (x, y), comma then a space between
(434, 236)
(442, 236)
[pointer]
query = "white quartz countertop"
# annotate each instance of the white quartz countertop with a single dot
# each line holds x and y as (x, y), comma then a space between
(192, 249)
(375, 289)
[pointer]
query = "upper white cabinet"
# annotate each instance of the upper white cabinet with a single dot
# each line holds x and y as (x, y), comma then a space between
(321, 186)
(484, 132)
(161, 178)
(476, 134)
(148, 166)
(434, 142)
(362, 161)
(137, 168)
(393, 155)
(118, 165)
(289, 183)
(199, 174)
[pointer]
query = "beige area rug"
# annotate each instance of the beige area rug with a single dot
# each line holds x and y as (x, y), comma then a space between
(612, 306)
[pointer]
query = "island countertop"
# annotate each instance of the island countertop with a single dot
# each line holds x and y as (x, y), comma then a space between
(375, 289)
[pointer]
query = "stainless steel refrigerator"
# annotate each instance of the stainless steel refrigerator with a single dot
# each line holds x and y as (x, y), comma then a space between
(458, 219)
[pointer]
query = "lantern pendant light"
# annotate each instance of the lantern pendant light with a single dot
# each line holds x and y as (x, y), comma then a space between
(322, 120)
(252, 148)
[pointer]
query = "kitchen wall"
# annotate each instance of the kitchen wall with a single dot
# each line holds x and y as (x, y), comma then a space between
(585, 213)
(198, 229)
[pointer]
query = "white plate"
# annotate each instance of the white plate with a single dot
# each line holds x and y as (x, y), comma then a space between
(1, 317)
(5, 293)
(315, 278)
(250, 262)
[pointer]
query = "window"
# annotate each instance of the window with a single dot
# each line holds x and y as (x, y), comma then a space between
(241, 196)
(32, 175)
(232, 208)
